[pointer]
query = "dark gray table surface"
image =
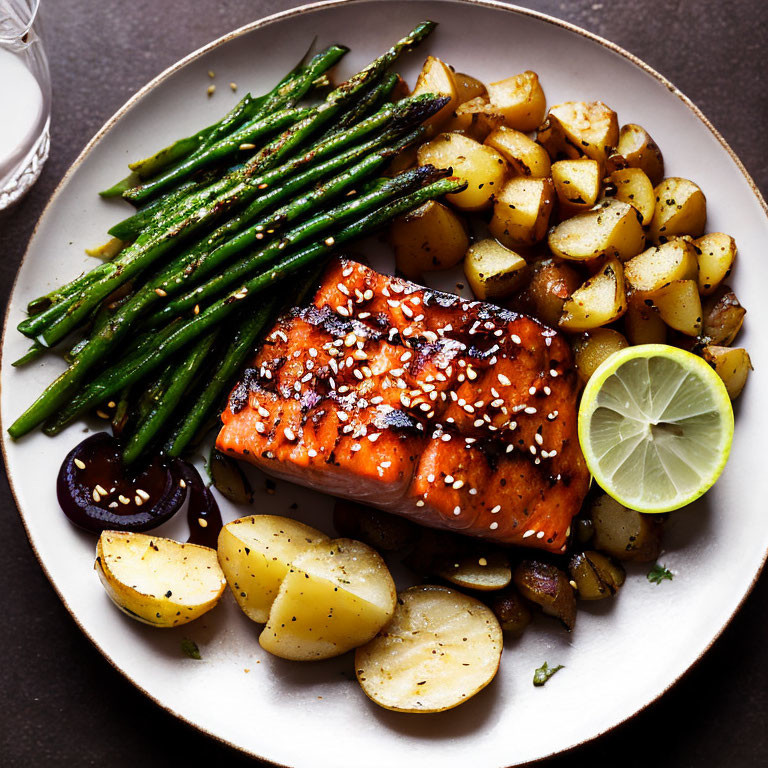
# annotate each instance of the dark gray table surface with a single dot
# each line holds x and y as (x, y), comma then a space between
(61, 703)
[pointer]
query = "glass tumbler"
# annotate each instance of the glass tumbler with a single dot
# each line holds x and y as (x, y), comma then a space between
(25, 99)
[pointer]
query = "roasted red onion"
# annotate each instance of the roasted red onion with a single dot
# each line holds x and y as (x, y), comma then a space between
(98, 493)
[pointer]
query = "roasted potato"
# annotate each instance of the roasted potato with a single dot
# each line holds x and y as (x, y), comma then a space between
(551, 283)
(716, 252)
(681, 209)
(610, 228)
(723, 317)
(483, 572)
(512, 611)
(256, 553)
(660, 265)
(623, 533)
(380, 530)
(520, 99)
(640, 151)
(642, 321)
(679, 306)
(599, 301)
(595, 575)
(525, 156)
(593, 347)
(468, 87)
(476, 119)
(577, 183)
(521, 211)
(547, 586)
(439, 650)
(336, 596)
(483, 168)
(577, 128)
(158, 581)
(437, 77)
(633, 186)
(494, 271)
(431, 238)
(732, 365)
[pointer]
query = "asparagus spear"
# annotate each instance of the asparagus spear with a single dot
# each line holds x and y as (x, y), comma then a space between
(206, 400)
(167, 342)
(222, 146)
(167, 400)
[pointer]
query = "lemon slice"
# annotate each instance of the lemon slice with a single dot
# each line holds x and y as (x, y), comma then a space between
(655, 426)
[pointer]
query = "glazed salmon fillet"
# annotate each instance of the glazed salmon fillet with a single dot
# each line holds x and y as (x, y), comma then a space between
(455, 413)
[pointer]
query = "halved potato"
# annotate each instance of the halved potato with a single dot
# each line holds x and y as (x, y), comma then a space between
(484, 573)
(526, 157)
(438, 78)
(494, 271)
(660, 265)
(520, 99)
(336, 596)
(577, 183)
(547, 586)
(723, 317)
(594, 347)
(468, 87)
(439, 650)
(732, 365)
(576, 128)
(551, 283)
(599, 301)
(634, 187)
(431, 238)
(681, 209)
(679, 305)
(641, 151)
(476, 119)
(716, 252)
(610, 228)
(642, 321)
(483, 168)
(595, 575)
(521, 211)
(158, 581)
(256, 553)
(624, 533)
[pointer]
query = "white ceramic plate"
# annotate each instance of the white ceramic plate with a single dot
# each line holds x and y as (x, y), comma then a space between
(623, 654)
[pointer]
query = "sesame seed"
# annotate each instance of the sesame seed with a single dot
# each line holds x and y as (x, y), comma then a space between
(478, 423)
(210, 90)
(471, 373)
(420, 503)
(342, 310)
(494, 525)
(538, 438)
(101, 490)
(496, 509)
(473, 491)
(457, 510)
(138, 501)
(260, 428)
(233, 86)
(113, 505)
(79, 464)
(531, 390)
(504, 380)
(547, 391)
(528, 533)
(532, 449)
(458, 484)
(142, 494)
(247, 146)
(96, 496)
(516, 339)
(449, 479)
(386, 464)
(530, 410)
(573, 584)
(446, 438)
(182, 483)
(510, 448)
(553, 373)
(430, 478)
(540, 535)
(329, 241)
(102, 415)
(123, 499)
(356, 447)
(196, 309)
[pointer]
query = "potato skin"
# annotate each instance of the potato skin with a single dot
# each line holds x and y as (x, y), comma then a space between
(525, 156)
(716, 253)
(599, 301)
(437, 77)
(431, 238)
(493, 271)
(520, 99)
(723, 317)
(551, 283)
(576, 128)
(623, 533)
(732, 365)
(512, 611)
(593, 347)
(595, 575)
(547, 586)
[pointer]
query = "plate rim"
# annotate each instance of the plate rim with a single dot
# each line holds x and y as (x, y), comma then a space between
(265, 21)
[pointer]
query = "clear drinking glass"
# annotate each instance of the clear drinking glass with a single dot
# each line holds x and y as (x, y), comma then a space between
(25, 99)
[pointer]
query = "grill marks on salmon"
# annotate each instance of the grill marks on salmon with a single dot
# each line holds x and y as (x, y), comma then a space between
(455, 413)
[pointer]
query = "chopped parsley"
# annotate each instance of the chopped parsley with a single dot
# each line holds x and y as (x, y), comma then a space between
(658, 573)
(190, 649)
(544, 672)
